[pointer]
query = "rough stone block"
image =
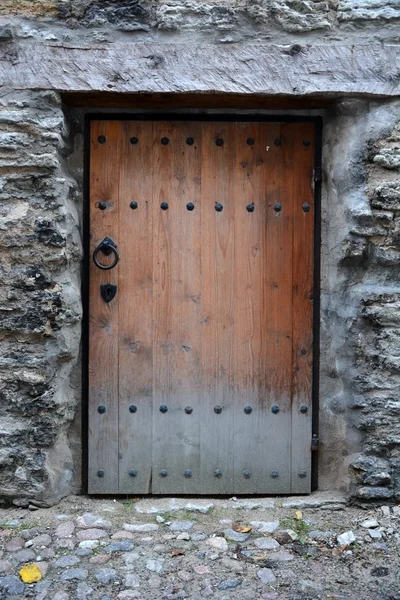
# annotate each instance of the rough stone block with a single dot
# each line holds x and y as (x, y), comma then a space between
(354, 250)
(194, 15)
(368, 10)
(5, 33)
(383, 310)
(378, 479)
(374, 493)
(300, 16)
(389, 158)
(125, 15)
(369, 468)
(387, 196)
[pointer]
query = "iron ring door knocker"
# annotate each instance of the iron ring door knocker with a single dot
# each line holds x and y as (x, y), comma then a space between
(107, 247)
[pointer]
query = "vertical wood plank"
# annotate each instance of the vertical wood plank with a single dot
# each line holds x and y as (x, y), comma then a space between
(136, 318)
(103, 320)
(177, 260)
(303, 283)
(217, 248)
(277, 309)
(250, 430)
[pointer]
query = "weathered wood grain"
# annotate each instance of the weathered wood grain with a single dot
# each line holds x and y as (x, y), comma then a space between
(104, 317)
(249, 69)
(213, 307)
(135, 289)
(278, 317)
(176, 309)
(251, 431)
(302, 306)
(217, 301)
(174, 100)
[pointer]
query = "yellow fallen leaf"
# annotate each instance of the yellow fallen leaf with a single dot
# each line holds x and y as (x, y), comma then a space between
(298, 515)
(30, 574)
(240, 528)
(262, 557)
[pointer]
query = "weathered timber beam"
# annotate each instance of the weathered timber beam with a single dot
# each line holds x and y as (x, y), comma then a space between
(251, 69)
(173, 100)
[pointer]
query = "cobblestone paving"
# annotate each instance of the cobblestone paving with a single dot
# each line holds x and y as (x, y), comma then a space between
(293, 549)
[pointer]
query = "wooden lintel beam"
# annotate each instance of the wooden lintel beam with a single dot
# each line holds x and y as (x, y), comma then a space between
(190, 68)
(169, 101)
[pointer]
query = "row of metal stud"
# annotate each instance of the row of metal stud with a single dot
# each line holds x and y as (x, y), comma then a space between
(190, 206)
(217, 409)
(250, 141)
(217, 473)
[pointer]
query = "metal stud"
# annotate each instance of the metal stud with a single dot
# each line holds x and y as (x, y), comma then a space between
(132, 408)
(275, 409)
(100, 473)
(164, 205)
(187, 473)
(101, 409)
(278, 142)
(102, 205)
(306, 207)
(277, 207)
(250, 208)
(218, 409)
(219, 142)
(190, 141)
(218, 473)
(219, 207)
(163, 473)
(190, 206)
(250, 141)
(133, 205)
(163, 408)
(132, 472)
(101, 139)
(302, 474)
(247, 409)
(306, 143)
(304, 409)
(274, 474)
(188, 410)
(134, 140)
(247, 474)
(165, 141)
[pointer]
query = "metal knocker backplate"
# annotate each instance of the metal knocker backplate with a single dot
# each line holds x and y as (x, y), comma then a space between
(108, 291)
(107, 247)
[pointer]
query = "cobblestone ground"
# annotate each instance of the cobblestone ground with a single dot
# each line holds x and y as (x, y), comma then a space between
(293, 549)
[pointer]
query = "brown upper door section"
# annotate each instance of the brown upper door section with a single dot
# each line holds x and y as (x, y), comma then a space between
(201, 335)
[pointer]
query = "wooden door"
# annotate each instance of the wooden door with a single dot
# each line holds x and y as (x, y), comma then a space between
(200, 360)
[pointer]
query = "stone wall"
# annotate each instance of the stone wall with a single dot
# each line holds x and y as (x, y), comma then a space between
(360, 300)
(223, 20)
(377, 234)
(41, 165)
(40, 301)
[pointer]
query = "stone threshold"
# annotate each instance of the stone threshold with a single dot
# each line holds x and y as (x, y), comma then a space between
(329, 500)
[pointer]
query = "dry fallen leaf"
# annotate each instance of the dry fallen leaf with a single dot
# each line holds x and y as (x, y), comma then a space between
(262, 557)
(30, 574)
(240, 528)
